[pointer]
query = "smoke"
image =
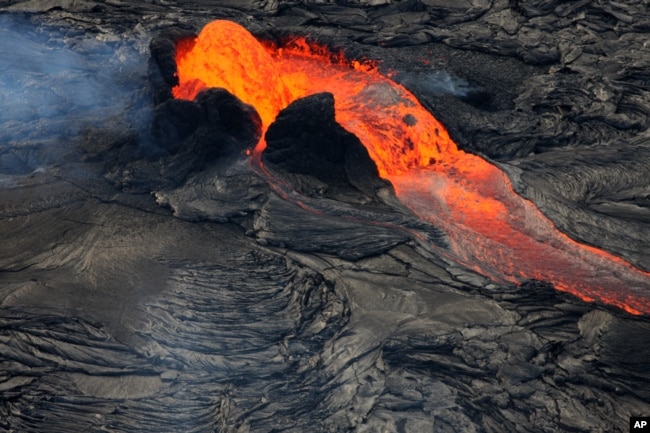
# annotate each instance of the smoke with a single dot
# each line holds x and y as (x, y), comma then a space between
(56, 83)
(434, 83)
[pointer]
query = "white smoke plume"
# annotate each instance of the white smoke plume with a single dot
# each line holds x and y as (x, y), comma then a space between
(54, 86)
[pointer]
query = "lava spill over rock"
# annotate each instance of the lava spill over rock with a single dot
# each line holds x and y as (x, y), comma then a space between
(491, 229)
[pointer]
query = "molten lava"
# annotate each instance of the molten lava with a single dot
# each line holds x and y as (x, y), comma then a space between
(492, 230)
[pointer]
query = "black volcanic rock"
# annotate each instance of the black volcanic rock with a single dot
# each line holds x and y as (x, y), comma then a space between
(184, 137)
(174, 121)
(163, 63)
(215, 123)
(238, 120)
(305, 139)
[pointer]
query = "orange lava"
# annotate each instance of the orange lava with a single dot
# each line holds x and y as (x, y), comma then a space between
(491, 229)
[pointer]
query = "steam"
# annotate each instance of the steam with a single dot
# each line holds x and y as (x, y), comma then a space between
(52, 87)
(433, 83)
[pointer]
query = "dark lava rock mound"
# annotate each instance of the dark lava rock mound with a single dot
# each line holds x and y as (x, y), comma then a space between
(306, 140)
(216, 123)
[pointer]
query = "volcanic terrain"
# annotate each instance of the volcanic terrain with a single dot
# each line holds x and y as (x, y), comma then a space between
(403, 216)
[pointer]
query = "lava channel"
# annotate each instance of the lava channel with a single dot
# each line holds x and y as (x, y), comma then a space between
(492, 230)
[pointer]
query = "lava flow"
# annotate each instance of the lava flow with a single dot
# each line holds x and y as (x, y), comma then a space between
(491, 229)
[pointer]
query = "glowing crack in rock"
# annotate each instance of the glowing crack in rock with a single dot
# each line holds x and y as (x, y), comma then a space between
(492, 230)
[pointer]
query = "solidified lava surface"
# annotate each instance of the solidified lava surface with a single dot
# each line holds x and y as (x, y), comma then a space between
(153, 279)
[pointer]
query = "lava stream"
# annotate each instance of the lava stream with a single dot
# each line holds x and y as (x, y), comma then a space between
(492, 230)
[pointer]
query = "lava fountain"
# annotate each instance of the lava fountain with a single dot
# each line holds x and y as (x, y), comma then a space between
(491, 229)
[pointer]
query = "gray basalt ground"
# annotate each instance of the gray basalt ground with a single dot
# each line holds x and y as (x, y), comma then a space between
(153, 280)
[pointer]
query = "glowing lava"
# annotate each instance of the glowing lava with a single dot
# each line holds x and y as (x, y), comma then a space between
(492, 230)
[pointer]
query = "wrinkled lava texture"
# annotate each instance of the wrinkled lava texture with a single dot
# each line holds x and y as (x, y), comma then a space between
(400, 216)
